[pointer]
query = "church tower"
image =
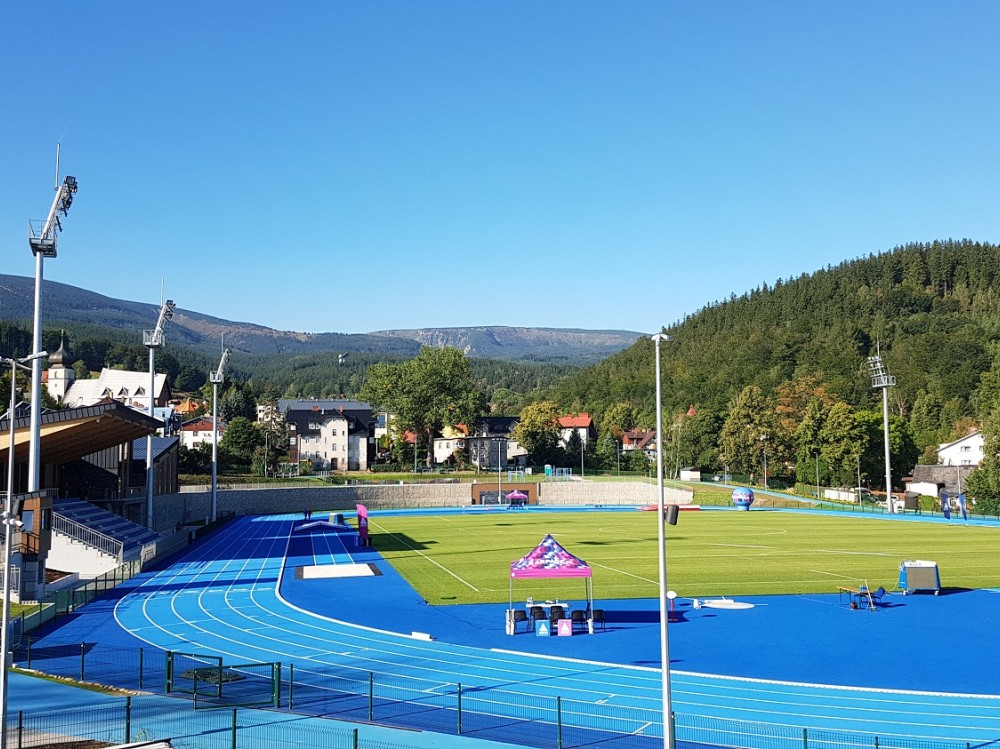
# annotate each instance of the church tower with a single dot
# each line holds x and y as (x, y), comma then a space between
(61, 374)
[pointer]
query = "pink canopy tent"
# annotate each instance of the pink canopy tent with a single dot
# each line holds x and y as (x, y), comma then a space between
(549, 559)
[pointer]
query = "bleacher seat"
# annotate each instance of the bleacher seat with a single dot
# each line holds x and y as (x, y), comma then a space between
(132, 536)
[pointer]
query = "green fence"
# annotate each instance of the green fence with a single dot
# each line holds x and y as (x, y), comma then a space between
(137, 719)
(497, 714)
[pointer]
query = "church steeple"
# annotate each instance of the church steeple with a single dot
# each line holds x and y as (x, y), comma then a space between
(60, 375)
(61, 357)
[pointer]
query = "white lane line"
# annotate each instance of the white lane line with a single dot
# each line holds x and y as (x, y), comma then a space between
(432, 561)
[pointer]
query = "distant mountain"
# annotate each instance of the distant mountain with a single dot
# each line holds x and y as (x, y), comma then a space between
(540, 344)
(62, 303)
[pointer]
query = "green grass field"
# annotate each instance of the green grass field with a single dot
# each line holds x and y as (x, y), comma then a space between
(465, 558)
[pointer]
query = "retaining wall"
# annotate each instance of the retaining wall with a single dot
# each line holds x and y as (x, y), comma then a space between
(170, 509)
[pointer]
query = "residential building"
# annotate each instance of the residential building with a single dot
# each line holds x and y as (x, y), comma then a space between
(452, 439)
(640, 439)
(198, 431)
(581, 424)
(967, 451)
(333, 434)
(490, 445)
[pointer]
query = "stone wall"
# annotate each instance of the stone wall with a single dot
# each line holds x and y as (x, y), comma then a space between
(608, 493)
(173, 508)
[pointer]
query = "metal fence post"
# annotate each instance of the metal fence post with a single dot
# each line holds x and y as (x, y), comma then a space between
(234, 729)
(371, 696)
(291, 683)
(355, 742)
(460, 708)
(28, 653)
(805, 738)
(276, 685)
(168, 672)
(128, 719)
(83, 657)
(20, 729)
(559, 743)
(140, 668)
(876, 742)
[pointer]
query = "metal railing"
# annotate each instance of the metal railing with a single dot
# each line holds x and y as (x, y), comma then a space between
(88, 536)
(530, 719)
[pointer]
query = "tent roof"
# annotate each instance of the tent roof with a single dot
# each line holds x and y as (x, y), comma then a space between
(549, 559)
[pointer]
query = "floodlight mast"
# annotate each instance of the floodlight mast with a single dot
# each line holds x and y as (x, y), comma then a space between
(9, 520)
(42, 241)
(153, 339)
(216, 378)
(881, 379)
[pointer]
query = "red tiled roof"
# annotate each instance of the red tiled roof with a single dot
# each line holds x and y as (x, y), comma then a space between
(578, 421)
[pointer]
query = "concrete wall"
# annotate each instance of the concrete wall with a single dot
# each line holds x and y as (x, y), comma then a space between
(173, 508)
(608, 493)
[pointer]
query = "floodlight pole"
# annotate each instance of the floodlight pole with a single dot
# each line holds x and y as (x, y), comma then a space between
(817, 475)
(9, 520)
(668, 737)
(763, 442)
(882, 379)
(153, 339)
(499, 480)
(43, 244)
(216, 378)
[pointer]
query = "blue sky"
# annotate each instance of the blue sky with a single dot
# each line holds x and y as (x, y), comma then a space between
(356, 166)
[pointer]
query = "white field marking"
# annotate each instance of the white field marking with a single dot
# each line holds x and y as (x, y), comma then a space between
(640, 729)
(623, 572)
(435, 688)
(432, 561)
(742, 546)
(834, 574)
(852, 553)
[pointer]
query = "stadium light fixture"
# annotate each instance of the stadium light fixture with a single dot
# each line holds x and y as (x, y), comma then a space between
(9, 520)
(882, 380)
(668, 733)
(153, 339)
(216, 378)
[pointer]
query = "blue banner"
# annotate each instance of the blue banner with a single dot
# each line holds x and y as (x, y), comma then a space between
(945, 506)
(961, 505)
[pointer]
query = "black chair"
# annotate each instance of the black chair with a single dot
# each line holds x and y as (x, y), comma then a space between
(536, 613)
(555, 614)
(579, 618)
(597, 616)
(520, 615)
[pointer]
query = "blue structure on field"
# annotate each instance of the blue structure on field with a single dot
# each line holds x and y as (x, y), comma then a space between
(742, 498)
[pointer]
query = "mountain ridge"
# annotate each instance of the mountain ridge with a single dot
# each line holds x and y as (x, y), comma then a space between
(66, 303)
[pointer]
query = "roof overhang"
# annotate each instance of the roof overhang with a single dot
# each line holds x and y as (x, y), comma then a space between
(76, 432)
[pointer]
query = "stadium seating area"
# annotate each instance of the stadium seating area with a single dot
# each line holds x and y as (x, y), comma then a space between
(132, 536)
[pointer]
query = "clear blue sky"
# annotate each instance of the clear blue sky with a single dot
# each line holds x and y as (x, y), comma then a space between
(355, 166)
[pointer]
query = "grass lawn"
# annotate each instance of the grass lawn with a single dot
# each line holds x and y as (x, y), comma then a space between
(465, 558)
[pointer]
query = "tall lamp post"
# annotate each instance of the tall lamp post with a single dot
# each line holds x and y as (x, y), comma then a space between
(153, 339)
(881, 379)
(216, 378)
(42, 241)
(668, 737)
(763, 442)
(9, 520)
(816, 453)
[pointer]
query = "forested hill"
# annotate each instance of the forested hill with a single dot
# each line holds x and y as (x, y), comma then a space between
(934, 308)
